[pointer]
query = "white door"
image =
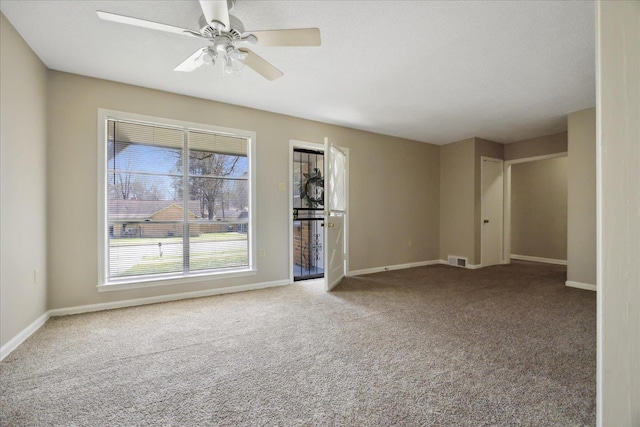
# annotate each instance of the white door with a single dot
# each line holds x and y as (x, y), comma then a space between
(492, 211)
(335, 203)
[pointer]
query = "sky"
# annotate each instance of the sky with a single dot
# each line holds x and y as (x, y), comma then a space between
(156, 165)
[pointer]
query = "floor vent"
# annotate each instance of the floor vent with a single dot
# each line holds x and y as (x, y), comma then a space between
(458, 261)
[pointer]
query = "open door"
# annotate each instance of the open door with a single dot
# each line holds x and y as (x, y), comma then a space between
(335, 214)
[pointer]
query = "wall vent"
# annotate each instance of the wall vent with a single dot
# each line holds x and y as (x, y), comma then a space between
(458, 261)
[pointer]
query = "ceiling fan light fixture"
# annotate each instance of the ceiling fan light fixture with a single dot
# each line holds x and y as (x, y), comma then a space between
(236, 55)
(208, 57)
(234, 60)
(229, 69)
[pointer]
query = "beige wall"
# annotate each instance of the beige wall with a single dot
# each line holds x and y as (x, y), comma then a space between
(483, 148)
(539, 208)
(581, 205)
(457, 199)
(618, 44)
(460, 166)
(394, 186)
(540, 146)
(23, 230)
(460, 196)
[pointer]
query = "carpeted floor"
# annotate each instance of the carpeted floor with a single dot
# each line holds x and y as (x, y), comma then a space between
(433, 345)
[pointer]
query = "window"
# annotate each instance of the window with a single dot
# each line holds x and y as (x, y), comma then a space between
(176, 200)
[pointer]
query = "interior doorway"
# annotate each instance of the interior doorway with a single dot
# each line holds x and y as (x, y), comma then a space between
(307, 211)
(542, 237)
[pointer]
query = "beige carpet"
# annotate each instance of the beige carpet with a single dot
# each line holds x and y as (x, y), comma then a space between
(434, 345)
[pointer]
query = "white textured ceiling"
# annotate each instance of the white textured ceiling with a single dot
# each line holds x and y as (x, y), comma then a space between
(426, 70)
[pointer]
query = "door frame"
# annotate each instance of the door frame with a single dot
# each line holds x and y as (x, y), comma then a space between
(483, 159)
(506, 176)
(294, 143)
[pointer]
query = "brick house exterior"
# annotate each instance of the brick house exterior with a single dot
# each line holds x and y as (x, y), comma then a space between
(144, 218)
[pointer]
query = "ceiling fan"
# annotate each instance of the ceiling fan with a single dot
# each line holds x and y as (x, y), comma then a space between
(228, 39)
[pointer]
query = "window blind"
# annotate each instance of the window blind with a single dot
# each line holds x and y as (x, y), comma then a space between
(177, 201)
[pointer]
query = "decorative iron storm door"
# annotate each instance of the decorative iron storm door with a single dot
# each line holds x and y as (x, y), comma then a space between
(308, 218)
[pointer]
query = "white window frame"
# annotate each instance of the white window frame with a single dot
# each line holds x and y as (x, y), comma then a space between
(103, 239)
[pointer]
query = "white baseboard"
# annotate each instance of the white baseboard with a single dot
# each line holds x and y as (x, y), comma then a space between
(164, 298)
(392, 267)
(26, 333)
(334, 284)
(14, 342)
(468, 266)
(587, 286)
(539, 259)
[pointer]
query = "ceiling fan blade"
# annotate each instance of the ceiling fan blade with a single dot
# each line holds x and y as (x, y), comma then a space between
(114, 17)
(260, 66)
(191, 63)
(216, 11)
(293, 37)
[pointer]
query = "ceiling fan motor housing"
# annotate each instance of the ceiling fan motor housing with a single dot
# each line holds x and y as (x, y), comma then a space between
(236, 30)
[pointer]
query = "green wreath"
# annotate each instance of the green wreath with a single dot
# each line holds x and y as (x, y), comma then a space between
(312, 189)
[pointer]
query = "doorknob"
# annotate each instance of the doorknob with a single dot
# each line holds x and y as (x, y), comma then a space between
(330, 225)
(486, 221)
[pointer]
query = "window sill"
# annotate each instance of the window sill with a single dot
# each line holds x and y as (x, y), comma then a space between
(155, 282)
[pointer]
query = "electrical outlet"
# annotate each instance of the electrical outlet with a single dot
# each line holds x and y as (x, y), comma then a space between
(261, 253)
(282, 186)
(410, 242)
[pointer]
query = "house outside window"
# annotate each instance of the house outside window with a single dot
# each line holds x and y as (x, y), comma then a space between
(175, 201)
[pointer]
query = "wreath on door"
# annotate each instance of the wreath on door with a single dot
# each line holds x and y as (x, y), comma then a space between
(312, 189)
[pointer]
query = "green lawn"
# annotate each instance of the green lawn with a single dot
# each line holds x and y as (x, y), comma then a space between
(205, 237)
(203, 261)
